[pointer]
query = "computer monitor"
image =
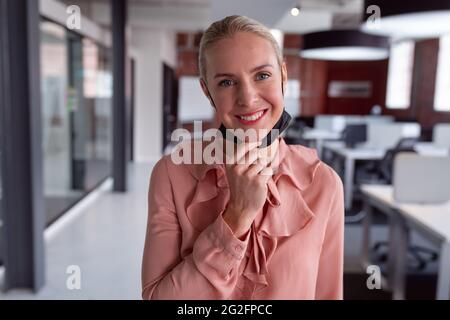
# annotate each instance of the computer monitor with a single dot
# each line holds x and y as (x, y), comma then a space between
(353, 134)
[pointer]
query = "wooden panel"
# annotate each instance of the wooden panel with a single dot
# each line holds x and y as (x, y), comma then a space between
(182, 40)
(374, 72)
(316, 76)
(292, 41)
(187, 63)
(197, 38)
(313, 75)
(293, 66)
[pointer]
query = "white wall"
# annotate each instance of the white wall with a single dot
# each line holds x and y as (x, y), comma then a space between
(151, 47)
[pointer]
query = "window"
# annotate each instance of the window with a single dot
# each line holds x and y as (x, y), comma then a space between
(442, 91)
(76, 116)
(292, 97)
(401, 61)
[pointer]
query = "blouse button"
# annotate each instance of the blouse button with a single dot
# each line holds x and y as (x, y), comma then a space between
(238, 248)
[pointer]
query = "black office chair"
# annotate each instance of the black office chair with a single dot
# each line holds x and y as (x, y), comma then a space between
(381, 173)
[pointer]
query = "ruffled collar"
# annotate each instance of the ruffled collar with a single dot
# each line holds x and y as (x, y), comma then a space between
(285, 213)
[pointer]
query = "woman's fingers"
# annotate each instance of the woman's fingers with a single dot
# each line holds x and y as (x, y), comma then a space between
(267, 171)
(243, 149)
(261, 167)
(249, 161)
(255, 168)
(250, 158)
(244, 156)
(245, 162)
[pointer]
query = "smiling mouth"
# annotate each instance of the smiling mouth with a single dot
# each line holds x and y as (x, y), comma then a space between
(251, 117)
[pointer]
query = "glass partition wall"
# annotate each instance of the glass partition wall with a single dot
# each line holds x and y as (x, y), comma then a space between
(76, 116)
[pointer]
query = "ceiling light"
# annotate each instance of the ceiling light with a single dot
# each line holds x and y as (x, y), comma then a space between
(295, 11)
(344, 45)
(411, 19)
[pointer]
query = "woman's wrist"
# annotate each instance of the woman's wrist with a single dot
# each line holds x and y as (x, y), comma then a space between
(237, 226)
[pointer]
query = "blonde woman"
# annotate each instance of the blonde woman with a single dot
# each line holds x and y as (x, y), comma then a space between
(244, 230)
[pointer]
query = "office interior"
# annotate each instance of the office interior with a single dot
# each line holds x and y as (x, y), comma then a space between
(87, 108)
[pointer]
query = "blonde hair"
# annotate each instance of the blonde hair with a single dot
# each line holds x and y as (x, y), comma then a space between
(228, 27)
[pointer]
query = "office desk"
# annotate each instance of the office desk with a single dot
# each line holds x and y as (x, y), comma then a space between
(350, 156)
(432, 220)
(319, 136)
(430, 149)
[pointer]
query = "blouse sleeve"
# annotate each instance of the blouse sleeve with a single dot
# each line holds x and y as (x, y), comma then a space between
(209, 272)
(329, 283)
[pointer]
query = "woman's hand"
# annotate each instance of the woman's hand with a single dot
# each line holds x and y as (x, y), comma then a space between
(247, 180)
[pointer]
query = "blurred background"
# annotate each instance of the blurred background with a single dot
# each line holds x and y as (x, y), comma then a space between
(91, 91)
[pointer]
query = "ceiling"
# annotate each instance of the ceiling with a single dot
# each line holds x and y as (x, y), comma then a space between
(195, 15)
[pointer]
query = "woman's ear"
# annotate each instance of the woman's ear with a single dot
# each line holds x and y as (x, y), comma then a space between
(206, 91)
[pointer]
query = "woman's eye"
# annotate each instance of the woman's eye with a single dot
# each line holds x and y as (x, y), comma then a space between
(263, 76)
(226, 83)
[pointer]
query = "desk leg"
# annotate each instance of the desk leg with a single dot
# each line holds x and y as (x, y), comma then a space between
(398, 254)
(443, 285)
(348, 182)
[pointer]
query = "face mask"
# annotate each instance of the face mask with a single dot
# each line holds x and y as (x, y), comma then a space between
(281, 125)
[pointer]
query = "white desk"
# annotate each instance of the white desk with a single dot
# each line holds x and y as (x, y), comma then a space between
(431, 220)
(365, 152)
(431, 149)
(319, 136)
(350, 156)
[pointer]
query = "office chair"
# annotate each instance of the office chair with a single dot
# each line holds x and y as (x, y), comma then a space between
(381, 173)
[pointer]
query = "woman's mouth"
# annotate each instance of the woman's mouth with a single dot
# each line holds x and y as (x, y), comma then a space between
(251, 118)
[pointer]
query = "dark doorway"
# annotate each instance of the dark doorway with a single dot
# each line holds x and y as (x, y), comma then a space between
(170, 104)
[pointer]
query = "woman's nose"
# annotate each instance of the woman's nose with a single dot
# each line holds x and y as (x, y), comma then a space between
(247, 95)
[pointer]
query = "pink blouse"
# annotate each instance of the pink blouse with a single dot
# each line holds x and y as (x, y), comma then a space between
(294, 249)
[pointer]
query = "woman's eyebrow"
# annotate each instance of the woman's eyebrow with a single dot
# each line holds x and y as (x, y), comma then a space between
(219, 75)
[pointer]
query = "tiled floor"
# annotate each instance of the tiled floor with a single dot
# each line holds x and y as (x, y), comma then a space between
(104, 236)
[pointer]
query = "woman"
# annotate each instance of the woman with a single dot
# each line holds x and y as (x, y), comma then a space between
(241, 230)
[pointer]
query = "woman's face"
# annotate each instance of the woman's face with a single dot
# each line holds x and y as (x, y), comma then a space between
(245, 80)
